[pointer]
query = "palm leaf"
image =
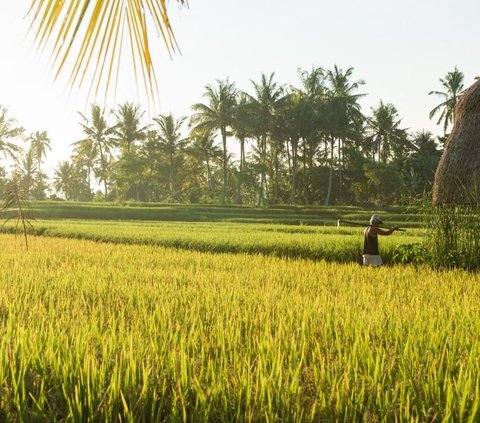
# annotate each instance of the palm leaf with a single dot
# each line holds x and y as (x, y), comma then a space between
(91, 33)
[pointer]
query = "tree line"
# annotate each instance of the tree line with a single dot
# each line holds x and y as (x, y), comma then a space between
(305, 144)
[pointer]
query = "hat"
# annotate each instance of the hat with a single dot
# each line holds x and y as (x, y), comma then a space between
(375, 219)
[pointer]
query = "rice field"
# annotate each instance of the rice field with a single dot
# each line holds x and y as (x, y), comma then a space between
(93, 331)
(322, 242)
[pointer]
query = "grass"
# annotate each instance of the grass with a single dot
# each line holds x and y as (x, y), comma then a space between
(279, 214)
(453, 236)
(113, 332)
(312, 242)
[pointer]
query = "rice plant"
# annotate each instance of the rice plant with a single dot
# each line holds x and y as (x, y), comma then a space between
(111, 332)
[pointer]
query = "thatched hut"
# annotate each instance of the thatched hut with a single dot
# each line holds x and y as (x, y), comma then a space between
(457, 179)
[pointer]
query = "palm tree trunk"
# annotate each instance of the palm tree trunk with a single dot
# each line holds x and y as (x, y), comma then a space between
(263, 153)
(240, 175)
(224, 144)
(330, 175)
(104, 171)
(277, 177)
(89, 179)
(340, 165)
(242, 153)
(305, 181)
(294, 173)
(209, 177)
(172, 189)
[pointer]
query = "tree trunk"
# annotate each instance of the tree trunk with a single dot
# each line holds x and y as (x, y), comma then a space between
(242, 153)
(104, 172)
(224, 143)
(294, 172)
(330, 175)
(340, 165)
(277, 177)
(172, 189)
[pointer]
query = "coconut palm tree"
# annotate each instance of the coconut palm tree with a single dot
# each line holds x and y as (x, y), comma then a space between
(243, 117)
(309, 121)
(84, 156)
(64, 179)
(265, 100)
(128, 129)
(384, 132)
(102, 28)
(172, 143)
(293, 122)
(39, 144)
(98, 141)
(453, 89)
(423, 161)
(27, 171)
(344, 115)
(218, 114)
(8, 132)
(204, 151)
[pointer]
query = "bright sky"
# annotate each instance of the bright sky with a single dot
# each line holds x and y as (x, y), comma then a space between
(400, 48)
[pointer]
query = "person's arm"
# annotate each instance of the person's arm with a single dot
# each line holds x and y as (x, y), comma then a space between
(387, 231)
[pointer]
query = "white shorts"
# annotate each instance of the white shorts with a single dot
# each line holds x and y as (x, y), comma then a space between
(371, 260)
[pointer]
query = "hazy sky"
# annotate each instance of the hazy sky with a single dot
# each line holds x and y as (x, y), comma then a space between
(400, 49)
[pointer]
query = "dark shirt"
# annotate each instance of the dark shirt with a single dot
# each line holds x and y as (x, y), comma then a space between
(370, 239)
(370, 242)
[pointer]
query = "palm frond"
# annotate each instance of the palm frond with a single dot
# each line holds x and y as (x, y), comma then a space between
(91, 33)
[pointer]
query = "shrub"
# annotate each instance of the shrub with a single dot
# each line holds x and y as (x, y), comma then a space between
(453, 235)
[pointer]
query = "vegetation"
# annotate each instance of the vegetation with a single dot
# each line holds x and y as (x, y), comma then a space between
(306, 144)
(283, 214)
(243, 317)
(453, 235)
(453, 86)
(314, 243)
(161, 334)
(15, 201)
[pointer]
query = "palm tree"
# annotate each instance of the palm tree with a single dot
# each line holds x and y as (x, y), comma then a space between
(218, 114)
(27, 170)
(64, 179)
(102, 25)
(98, 141)
(243, 117)
(242, 130)
(151, 155)
(39, 144)
(265, 101)
(453, 85)
(84, 156)
(308, 111)
(9, 131)
(423, 161)
(384, 132)
(127, 129)
(344, 115)
(172, 144)
(291, 123)
(203, 150)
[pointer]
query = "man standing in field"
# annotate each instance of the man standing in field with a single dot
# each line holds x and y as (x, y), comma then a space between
(371, 255)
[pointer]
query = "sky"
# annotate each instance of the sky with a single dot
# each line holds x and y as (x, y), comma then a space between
(399, 48)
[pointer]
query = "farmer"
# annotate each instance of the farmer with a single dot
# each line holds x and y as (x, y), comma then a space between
(371, 256)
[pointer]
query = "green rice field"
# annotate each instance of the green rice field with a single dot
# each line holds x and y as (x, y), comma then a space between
(146, 321)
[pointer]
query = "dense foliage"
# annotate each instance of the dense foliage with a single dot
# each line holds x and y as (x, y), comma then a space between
(278, 144)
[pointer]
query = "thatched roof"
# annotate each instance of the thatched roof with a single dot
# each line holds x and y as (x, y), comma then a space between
(457, 179)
